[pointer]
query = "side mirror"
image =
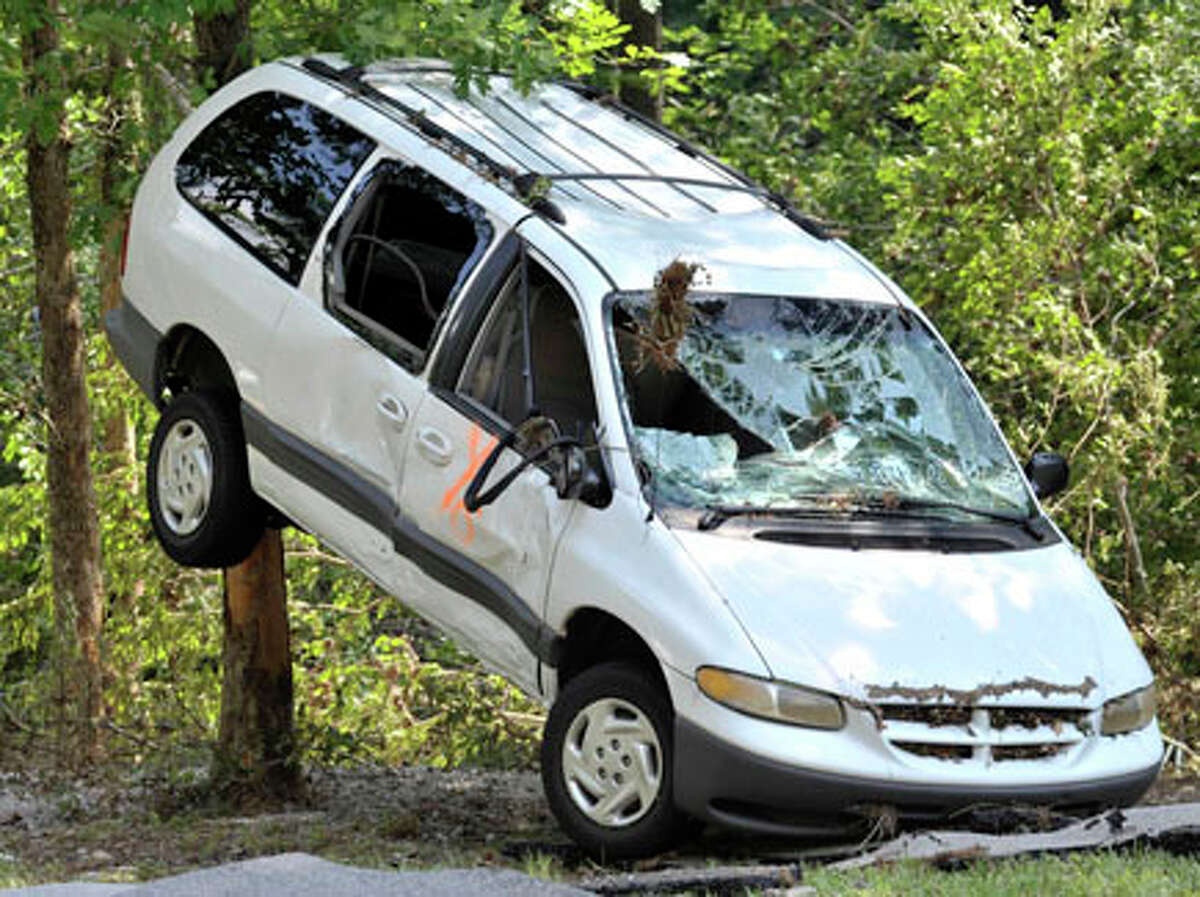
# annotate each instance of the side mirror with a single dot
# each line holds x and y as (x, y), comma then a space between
(1047, 472)
(573, 477)
(539, 441)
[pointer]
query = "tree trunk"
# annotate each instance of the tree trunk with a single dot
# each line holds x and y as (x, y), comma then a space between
(119, 441)
(223, 48)
(256, 754)
(645, 30)
(256, 751)
(74, 526)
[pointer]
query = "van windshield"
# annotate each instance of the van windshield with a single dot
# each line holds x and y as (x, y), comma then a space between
(763, 402)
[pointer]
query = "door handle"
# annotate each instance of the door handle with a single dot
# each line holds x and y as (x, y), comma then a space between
(392, 409)
(434, 446)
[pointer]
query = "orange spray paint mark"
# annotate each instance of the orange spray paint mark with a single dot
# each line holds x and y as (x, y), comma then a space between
(452, 501)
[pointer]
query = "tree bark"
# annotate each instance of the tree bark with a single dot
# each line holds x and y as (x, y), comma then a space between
(223, 49)
(119, 441)
(256, 754)
(256, 751)
(74, 525)
(645, 30)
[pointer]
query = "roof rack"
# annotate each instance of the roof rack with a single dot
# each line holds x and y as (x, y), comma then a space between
(528, 185)
(807, 223)
(351, 77)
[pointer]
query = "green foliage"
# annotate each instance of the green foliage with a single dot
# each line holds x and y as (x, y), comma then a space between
(375, 682)
(479, 38)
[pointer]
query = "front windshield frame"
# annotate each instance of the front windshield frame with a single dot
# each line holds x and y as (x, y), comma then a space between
(836, 502)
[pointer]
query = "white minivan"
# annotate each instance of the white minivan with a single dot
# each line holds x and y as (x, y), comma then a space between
(636, 433)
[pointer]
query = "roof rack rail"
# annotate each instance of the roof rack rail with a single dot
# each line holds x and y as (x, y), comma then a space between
(810, 225)
(351, 78)
(528, 185)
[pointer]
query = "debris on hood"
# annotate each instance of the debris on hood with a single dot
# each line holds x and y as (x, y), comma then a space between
(670, 315)
(972, 696)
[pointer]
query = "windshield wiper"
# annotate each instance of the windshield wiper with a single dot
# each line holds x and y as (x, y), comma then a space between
(714, 514)
(1026, 523)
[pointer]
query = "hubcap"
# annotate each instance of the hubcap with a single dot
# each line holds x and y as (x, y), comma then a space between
(612, 763)
(184, 477)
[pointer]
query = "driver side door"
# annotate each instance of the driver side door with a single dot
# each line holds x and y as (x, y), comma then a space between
(508, 546)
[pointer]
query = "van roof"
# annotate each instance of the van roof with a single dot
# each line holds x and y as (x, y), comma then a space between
(630, 193)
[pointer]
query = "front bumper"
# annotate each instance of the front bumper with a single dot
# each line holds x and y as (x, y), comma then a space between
(719, 782)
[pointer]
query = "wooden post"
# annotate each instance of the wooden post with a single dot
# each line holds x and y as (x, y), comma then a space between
(255, 757)
(256, 748)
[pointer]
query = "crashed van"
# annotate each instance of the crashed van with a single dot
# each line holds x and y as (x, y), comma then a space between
(638, 434)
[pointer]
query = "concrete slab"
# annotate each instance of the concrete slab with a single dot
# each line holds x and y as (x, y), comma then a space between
(301, 875)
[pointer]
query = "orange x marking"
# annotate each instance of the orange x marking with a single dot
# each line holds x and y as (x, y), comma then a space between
(452, 501)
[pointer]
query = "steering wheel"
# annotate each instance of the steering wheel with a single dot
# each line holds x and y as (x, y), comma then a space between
(404, 257)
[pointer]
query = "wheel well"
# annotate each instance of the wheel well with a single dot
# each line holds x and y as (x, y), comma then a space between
(189, 360)
(594, 636)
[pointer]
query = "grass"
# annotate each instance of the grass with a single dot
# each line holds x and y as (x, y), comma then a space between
(1136, 873)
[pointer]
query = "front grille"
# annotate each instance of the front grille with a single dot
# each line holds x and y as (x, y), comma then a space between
(961, 734)
(930, 715)
(940, 751)
(1027, 752)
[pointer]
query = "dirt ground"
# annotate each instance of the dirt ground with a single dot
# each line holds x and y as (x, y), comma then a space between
(130, 825)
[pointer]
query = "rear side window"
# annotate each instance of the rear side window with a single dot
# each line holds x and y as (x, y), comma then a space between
(403, 250)
(268, 171)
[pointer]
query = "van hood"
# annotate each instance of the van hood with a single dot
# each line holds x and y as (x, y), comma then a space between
(1013, 627)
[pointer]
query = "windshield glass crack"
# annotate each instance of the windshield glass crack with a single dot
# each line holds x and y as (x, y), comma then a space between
(777, 402)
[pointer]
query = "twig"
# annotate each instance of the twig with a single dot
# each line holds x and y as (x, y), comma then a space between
(175, 90)
(833, 14)
(1131, 540)
(1177, 753)
(308, 605)
(315, 555)
(17, 269)
(124, 733)
(12, 718)
(528, 719)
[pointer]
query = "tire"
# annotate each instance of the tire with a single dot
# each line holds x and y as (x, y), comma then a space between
(198, 485)
(611, 733)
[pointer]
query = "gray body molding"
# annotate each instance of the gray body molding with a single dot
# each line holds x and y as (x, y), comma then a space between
(370, 504)
(135, 340)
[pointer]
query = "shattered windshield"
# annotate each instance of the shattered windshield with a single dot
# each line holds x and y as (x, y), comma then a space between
(775, 402)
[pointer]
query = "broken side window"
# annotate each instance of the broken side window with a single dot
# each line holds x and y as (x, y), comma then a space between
(400, 254)
(773, 401)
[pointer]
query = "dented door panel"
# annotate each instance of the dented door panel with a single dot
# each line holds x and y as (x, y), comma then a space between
(342, 396)
(513, 539)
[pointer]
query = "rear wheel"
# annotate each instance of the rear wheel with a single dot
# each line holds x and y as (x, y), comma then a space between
(607, 763)
(198, 485)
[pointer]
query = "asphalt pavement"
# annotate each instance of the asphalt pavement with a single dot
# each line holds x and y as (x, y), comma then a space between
(302, 875)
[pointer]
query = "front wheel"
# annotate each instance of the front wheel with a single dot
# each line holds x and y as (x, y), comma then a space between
(198, 486)
(607, 763)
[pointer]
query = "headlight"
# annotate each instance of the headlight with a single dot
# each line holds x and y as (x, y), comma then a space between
(771, 700)
(1129, 712)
